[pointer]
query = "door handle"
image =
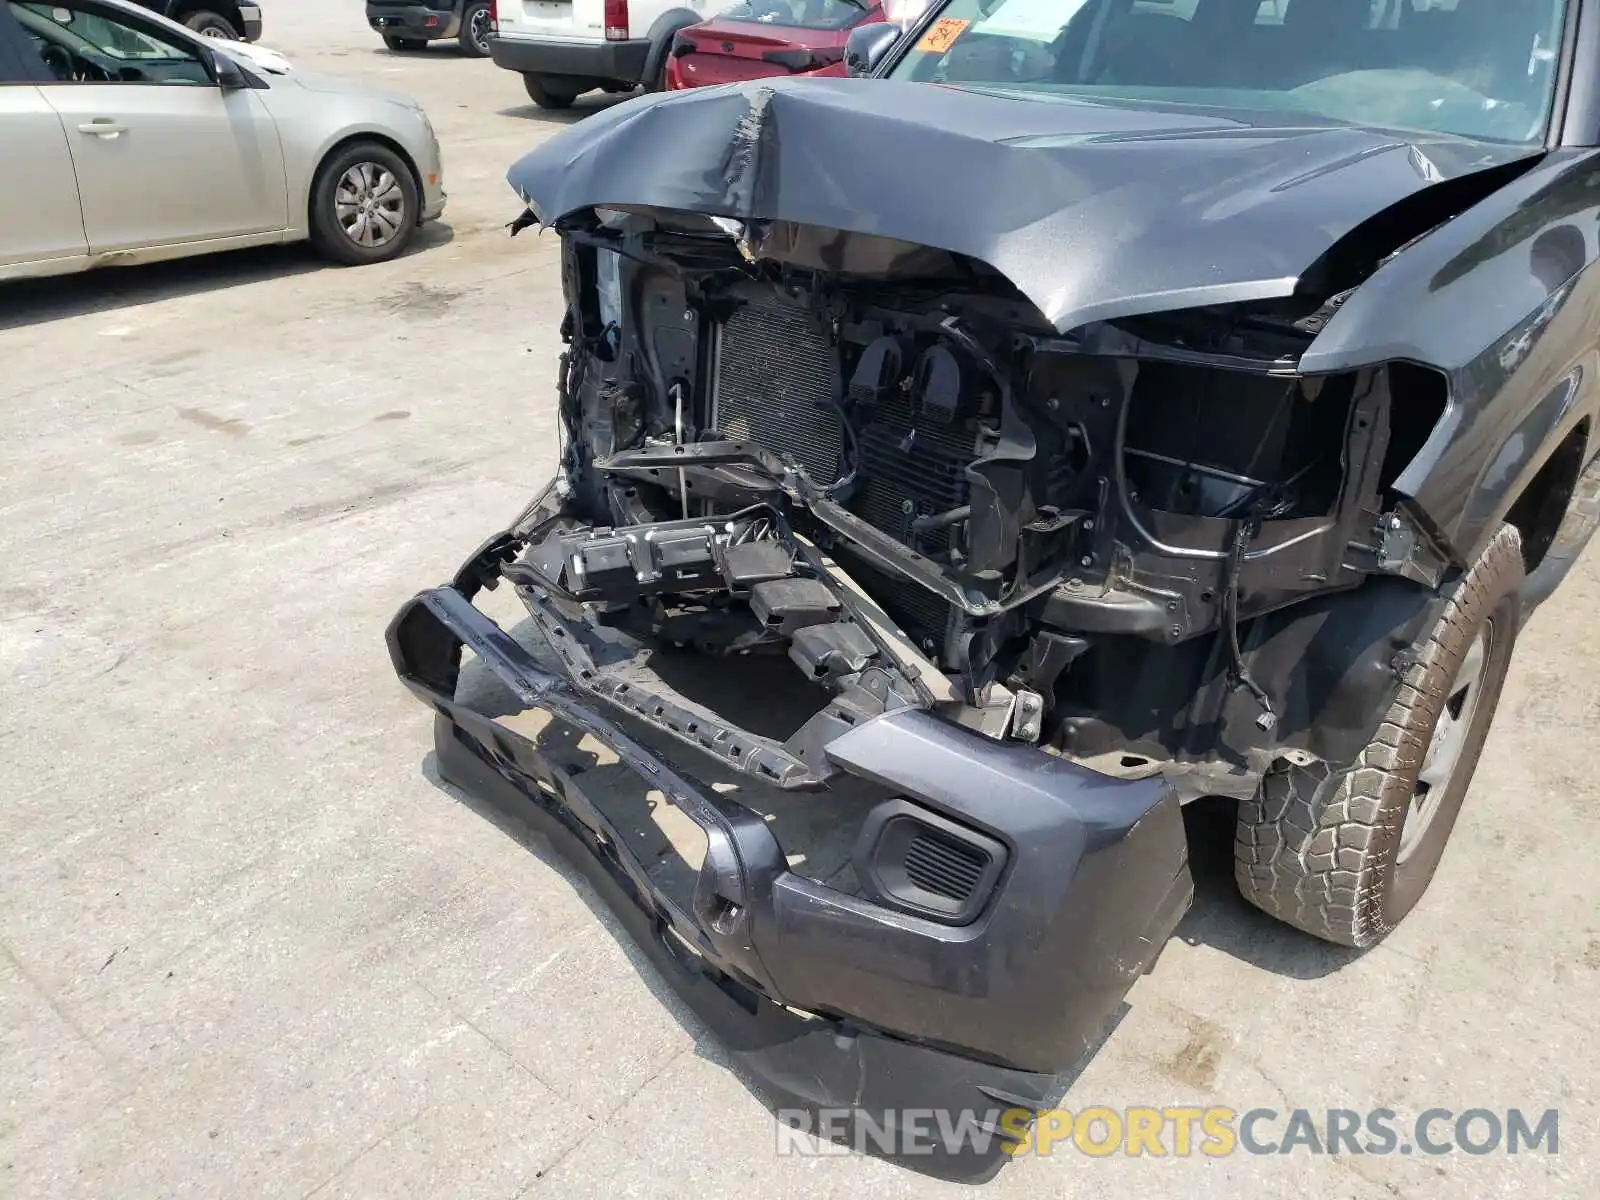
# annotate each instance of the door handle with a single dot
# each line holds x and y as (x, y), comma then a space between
(103, 127)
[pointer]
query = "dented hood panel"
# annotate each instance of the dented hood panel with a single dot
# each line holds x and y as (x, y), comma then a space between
(1092, 210)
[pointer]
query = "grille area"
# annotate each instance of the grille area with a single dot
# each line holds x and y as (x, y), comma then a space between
(944, 868)
(776, 383)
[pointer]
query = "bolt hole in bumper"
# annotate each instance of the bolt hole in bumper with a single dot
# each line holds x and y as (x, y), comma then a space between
(832, 1000)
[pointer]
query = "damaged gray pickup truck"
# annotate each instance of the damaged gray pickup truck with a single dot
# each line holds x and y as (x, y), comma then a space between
(1192, 399)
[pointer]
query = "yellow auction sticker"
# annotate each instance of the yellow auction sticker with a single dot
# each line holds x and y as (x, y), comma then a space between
(942, 34)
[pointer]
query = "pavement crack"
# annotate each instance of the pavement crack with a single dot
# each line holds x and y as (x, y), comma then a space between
(488, 1037)
(601, 1123)
(383, 1137)
(58, 1008)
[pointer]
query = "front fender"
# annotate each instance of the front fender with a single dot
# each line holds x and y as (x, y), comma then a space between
(302, 161)
(1501, 300)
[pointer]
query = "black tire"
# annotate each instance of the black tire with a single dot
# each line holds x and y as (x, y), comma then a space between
(327, 229)
(546, 97)
(474, 36)
(402, 45)
(1321, 848)
(208, 23)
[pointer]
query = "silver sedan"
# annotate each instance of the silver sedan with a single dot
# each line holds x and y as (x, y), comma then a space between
(130, 138)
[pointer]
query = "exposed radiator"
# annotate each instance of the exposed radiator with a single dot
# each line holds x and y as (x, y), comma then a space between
(777, 376)
(921, 614)
(777, 384)
(914, 466)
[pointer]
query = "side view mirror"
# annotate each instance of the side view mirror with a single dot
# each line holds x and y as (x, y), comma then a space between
(227, 73)
(867, 46)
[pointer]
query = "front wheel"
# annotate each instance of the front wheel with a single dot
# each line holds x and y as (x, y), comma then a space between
(364, 204)
(474, 37)
(1346, 851)
(212, 25)
(545, 95)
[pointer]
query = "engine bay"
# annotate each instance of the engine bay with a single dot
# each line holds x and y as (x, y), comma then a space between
(880, 460)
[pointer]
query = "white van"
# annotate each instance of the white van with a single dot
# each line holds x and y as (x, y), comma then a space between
(563, 48)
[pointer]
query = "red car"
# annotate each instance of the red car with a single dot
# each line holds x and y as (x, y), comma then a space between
(758, 38)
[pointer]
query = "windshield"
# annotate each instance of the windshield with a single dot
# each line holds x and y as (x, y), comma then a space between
(802, 14)
(1479, 68)
(81, 31)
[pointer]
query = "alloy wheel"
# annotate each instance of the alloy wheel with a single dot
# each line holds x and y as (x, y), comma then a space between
(478, 31)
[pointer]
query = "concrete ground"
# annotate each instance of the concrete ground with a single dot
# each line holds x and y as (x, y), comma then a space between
(250, 947)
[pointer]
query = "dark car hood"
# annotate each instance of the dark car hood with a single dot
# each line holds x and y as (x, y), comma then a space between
(1092, 210)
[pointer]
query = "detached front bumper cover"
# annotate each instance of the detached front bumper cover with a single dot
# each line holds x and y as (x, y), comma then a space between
(830, 1000)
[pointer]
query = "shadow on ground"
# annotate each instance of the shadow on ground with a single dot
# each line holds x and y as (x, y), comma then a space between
(586, 105)
(444, 47)
(27, 302)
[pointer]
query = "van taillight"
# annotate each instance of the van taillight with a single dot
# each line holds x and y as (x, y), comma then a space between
(616, 20)
(494, 16)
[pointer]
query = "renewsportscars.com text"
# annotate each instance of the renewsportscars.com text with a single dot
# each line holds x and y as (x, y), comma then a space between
(1180, 1132)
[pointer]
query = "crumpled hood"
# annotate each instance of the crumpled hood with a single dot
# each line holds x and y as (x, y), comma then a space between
(1093, 210)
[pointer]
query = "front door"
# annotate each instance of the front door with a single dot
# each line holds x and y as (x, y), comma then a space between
(40, 220)
(163, 155)
(39, 216)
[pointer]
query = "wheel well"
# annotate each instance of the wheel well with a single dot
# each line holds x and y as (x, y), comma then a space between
(223, 8)
(1538, 512)
(386, 142)
(662, 30)
(1419, 397)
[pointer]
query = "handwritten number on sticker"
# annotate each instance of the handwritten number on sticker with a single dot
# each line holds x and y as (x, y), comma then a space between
(942, 34)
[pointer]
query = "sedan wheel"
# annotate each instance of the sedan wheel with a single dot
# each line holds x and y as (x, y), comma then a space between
(370, 205)
(364, 205)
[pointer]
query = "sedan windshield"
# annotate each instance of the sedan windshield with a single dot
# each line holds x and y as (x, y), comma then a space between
(1478, 68)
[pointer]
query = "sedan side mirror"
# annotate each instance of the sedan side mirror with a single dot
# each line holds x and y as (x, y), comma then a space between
(227, 73)
(867, 46)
